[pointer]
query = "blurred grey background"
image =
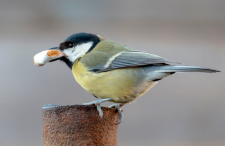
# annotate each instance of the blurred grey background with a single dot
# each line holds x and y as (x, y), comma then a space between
(185, 109)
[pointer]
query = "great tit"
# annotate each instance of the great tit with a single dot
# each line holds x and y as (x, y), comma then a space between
(111, 71)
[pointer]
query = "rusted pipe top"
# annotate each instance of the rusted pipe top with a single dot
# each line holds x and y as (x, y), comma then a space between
(79, 125)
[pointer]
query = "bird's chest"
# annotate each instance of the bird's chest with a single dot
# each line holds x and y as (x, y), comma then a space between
(83, 76)
(123, 85)
(97, 84)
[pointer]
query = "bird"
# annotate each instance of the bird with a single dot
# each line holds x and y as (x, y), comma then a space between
(111, 71)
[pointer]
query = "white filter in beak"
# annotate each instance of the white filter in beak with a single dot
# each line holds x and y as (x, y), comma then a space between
(43, 57)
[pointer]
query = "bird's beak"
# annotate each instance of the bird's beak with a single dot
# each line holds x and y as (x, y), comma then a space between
(49, 55)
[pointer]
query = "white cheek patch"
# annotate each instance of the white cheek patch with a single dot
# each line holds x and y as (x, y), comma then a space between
(78, 51)
(69, 51)
(43, 57)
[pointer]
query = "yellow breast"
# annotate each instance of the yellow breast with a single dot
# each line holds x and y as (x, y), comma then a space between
(119, 84)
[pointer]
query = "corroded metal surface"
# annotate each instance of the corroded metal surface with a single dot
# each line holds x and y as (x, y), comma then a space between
(79, 125)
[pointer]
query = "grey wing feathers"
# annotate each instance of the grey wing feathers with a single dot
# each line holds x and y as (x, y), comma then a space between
(134, 58)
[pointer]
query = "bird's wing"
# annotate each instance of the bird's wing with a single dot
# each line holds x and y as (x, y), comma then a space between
(130, 59)
(111, 55)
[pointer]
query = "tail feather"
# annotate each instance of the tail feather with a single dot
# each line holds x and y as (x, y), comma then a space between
(185, 69)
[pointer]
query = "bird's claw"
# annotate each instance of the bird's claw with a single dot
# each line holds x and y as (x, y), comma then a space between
(97, 104)
(118, 107)
(120, 116)
(99, 111)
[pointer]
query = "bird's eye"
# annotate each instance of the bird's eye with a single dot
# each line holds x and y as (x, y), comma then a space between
(70, 45)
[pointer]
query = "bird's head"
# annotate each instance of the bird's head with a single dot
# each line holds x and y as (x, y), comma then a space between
(73, 48)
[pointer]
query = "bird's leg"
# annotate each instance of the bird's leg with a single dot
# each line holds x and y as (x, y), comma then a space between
(97, 103)
(118, 107)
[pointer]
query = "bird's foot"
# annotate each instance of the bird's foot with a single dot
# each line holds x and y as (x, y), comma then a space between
(97, 104)
(118, 107)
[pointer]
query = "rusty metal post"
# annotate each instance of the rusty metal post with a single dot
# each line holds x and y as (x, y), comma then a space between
(79, 125)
